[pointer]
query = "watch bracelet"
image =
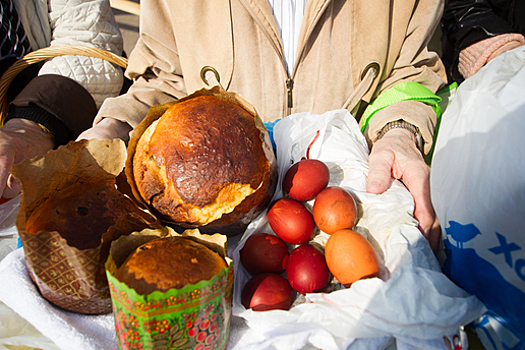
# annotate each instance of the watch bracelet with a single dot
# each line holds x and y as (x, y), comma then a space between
(400, 123)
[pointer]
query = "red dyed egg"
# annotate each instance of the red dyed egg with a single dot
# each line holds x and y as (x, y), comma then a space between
(267, 291)
(307, 270)
(334, 209)
(305, 179)
(264, 252)
(291, 221)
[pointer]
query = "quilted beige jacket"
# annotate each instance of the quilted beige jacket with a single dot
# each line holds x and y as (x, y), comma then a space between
(76, 22)
(348, 53)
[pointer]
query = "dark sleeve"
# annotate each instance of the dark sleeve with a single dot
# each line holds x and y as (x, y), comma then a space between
(59, 103)
(466, 22)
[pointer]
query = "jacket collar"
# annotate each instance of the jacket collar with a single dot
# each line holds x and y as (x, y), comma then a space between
(313, 12)
(262, 13)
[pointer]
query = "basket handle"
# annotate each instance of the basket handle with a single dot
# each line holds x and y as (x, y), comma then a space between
(47, 53)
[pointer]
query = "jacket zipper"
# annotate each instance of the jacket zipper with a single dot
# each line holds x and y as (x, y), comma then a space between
(289, 87)
(289, 81)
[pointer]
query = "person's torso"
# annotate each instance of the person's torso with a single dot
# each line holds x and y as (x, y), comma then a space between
(344, 51)
(339, 40)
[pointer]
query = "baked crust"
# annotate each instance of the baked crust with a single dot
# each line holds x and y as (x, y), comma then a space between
(166, 263)
(201, 160)
(81, 213)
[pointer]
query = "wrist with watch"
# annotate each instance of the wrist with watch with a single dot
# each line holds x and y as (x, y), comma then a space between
(407, 126)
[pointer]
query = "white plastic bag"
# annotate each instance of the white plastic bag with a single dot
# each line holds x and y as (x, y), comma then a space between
(8, 232)
(478, 189)
(16, 331)
(412, 303)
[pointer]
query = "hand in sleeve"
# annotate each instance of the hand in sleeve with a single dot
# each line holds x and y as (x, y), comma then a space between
(475, 56)
(107, 128)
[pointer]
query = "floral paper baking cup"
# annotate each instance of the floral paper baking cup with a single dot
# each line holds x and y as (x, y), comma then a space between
(196, 316)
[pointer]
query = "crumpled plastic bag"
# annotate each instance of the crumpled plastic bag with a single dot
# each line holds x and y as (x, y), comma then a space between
(411, 304)
(16, 331)
(478, 190)
(8, 231)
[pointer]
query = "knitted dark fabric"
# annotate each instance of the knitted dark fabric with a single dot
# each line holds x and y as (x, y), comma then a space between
(62, 98)
(39, 115)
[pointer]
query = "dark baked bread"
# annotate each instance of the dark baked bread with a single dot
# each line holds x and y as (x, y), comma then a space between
(166, 263)
(204, 162)
(81, 213)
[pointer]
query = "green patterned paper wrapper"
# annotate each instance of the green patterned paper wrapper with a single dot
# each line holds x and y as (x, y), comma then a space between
(196, 316)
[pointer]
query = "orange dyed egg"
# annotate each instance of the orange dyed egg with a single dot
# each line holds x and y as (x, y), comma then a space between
(351, 257)
(334, 209)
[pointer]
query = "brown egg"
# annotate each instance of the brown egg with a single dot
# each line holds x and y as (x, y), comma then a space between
(351, 257)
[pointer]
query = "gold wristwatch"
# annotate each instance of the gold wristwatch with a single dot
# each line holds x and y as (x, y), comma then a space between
(405, 125)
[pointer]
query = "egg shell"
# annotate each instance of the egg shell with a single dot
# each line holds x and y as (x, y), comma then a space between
(334, 209)
(351, 257)
(267, 291)
(305, 179)
(264, 252)
(291, 221)
(307, 270)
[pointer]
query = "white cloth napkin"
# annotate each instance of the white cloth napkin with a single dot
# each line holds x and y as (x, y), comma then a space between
(69, 330)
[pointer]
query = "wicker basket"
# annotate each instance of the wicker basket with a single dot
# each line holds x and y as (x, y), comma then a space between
(48, 53)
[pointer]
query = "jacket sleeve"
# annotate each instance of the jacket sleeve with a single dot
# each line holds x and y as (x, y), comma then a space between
(466, 22)
(86, 23)
(153, 66)
(410, 62)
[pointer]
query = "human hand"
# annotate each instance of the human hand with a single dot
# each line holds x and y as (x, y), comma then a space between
(395, 156)
(19, 139)
(107, 128)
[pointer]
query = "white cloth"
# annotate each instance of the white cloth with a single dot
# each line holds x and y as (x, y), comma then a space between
(58, 329)
(67, 330)
(289, 17)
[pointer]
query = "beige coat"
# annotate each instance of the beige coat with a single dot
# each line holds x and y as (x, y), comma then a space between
(348, 53)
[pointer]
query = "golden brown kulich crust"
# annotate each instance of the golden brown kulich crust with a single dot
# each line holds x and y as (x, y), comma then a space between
(81, 213)
(201, 159)
(171, 262)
